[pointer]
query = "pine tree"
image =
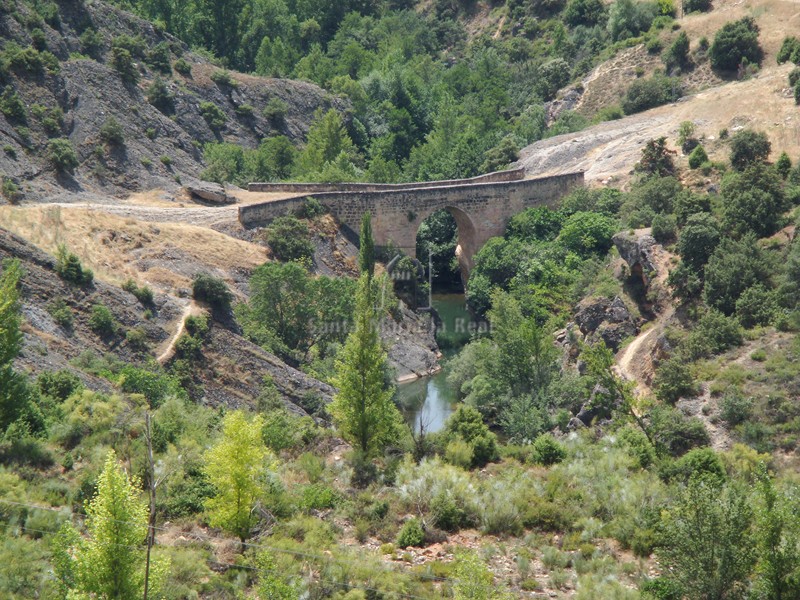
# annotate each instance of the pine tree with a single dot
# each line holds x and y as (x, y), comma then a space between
(235, 467)
(363, 409)
(366, 254)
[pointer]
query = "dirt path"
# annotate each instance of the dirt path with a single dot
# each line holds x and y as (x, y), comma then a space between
(169, 351)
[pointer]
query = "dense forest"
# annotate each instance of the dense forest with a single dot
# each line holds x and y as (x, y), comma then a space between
(557, 474)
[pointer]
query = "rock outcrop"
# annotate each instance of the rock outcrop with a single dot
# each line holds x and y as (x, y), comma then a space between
(637, 249)
(607, 320)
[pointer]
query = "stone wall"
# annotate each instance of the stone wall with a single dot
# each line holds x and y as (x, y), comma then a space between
(481, 210)
(318, 188)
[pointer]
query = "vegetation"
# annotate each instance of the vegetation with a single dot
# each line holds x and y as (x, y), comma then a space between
(736, 43)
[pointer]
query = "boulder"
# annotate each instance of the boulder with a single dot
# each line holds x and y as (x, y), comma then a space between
(637, 249)
(608, 320)
(209, 192)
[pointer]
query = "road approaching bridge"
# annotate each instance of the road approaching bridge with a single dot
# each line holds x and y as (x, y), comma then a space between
(481, 206)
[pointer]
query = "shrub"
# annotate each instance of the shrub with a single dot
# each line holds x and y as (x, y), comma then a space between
(664, 227)
(789, 47)
(783, 166)
(111, 132)
(69, 268)
(155, 387)
(61, 155)
(183, 67)
(275, 110)
(102, 321)
(311, 209)
(213, 115)
(122, 63)
(244, 110)
(698, 157)
(458, 453)
(649, 93)
(61, 313)
(10, 190)
(213, 291)
(698, 240)
(223, 78)
(289, 239)
(319, 497)
(91, 42)
(735, 42)
(158, 58)
(137, 338)
(158, 95)
(748, 147)
(690, 6)
(734, 267)
(756, 306)
(714, 333)
(677, 55)
(411, 534)
(547, 451)
(446, 514)
(12, 106)
(143, 294)
(588, 233)
(656, 159)
(699, 462)
(58, 385)
(676, 433)
(673, 380)
(467, 424)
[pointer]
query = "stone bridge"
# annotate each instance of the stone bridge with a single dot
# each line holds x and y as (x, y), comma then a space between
(481, 206)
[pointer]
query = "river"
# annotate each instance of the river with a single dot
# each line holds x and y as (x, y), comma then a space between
(428, 402)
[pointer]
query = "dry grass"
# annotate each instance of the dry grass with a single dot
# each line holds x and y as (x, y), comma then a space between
(116, 247)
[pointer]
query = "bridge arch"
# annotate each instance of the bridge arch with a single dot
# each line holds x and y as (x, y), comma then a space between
(466, 236)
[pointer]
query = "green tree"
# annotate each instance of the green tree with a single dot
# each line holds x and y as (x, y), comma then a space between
(236, 467)
(735, 42)
(753, 201)
(362, 408)
(748, 147)
(62, 155)
(656, 158)
(111, 562)
(707, 545)
(366, 252)
(290, 239)
(698, 240)
(778, 567)
(474, 580)
(327, 139)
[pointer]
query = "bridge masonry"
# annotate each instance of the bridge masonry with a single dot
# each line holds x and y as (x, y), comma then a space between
(481, 207)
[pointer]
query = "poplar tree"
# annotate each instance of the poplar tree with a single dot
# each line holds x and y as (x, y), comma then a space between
(236, 466)
(363, 409)
(366, 253)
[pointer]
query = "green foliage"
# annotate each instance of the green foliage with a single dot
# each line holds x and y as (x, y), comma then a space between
(584, 12)
(673, 380)
(735, 407)
(366, 251)
(275, 111)
(213, 291)
(213, 115)
(734, 267)
(714, 333)
(69, 268)
(158, 58)
(656, 158)
(61, 155)
(223, 78)
(736, 42)
(362, 408)
(664, 228)
(698, 157)
(110, 563)
(143, 294)
(290, 239)
(789, 48)
(547, 451)
(236, 466)
(587, 233)
(158, 95)
(91, 42)
(411, 534)
(627, 19)
(12, 106)
(111, 132)
(327, 140)
(690, 6)
(122, 62)
(748, 147)
(756, 306)
(674, 433)
(707, 545)
(102, 321)
(58, 385)
(677, 55)
(698, 240)
(183, 67)
(783, 165)
(466, 424)
(10, 191)
(61, 313)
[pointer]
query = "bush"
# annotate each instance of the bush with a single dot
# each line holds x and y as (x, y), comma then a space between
(698, 462)
(734, 267)
(588, 233)
(790, 47)
(61, 313)
(137, 338)
(467, 424)
(158, 58)
(122, 63)
(675, 433)
(213, 115)
(102, 321)
(111, 132)
(690, 6)
(735, 42)
(411, 534)
(69, 268)
(12, 106)
(275, 111)
(223, 78)
(290, 239)
(58, 385)
(664, 228)
(714, 333)
(756, 306)
(644, 94)
(748, 147)
(159, 96)
(91, 42)
(446, 514)
(183, 67)
(677, 55)
(698, 157)
(311, 209)
(673, 380)
(10, 190)
(61, 155)
(212, 290)
(698, 240)
(547, 451)
(143, 294)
